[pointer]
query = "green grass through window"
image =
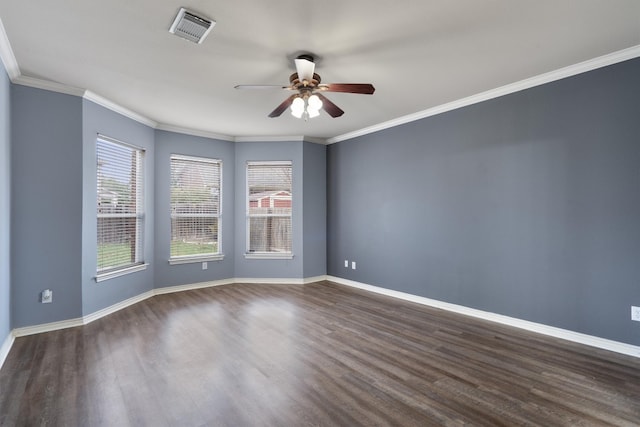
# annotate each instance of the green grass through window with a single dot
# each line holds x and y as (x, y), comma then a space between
(111, 255)
(180, 248)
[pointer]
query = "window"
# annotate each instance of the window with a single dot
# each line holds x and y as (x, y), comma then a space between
(269, 204)
(195, 209)
(120, 207)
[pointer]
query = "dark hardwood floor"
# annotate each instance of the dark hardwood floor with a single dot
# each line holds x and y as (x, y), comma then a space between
(320, 354)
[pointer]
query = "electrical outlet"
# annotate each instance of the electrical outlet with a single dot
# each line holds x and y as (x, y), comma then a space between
(346, 263)
(46, 296)
(204, 265)
(635, 313)
(353, 265)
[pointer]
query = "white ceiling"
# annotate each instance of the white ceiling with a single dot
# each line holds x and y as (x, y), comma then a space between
(417, 53)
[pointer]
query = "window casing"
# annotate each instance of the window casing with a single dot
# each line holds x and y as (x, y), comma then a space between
(120, 207)
(196, 199)
(269, 209)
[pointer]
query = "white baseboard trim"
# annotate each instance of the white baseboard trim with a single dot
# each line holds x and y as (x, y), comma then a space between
(182, 288)
(605, 344)
(315, 279)
(281, 281)
(116, 307)
(577, 337)
(6, 346)
(48, 327)
(267, 281)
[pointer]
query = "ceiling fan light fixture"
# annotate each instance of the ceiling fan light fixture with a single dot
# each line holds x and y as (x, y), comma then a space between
(313, 113)
(308, 100)
(306, 107)
(297, 108)
(314, 102)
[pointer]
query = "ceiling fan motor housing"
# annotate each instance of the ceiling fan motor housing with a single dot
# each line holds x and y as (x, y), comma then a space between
(309, 99)
(297, 84)
(306, 56)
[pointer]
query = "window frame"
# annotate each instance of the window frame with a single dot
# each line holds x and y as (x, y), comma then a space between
(264, 254)
(140, 214)
(219, 255)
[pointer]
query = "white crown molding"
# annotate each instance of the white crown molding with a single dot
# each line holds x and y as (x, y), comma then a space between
(194, 132)
(48, 85)
(6, 347)
(602, 343)
(569, 71)
(7, 56)
(288, 138)
(11, 65)
(281, 138)
(86, 94)
(110, 105)
(572, 70)
(313, 140)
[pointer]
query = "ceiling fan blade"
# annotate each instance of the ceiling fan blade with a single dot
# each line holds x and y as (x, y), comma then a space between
(305, 69)
(362, 88)
(282, 107)
(261, 87)
(332, 109)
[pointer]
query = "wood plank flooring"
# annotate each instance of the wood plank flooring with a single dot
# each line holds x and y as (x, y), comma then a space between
(317, 355)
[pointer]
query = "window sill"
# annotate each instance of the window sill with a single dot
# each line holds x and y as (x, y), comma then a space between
(268, 255)
(113, 274)
(194, 259)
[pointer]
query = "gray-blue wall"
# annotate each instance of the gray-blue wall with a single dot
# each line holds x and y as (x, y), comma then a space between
(46, 205)
(52, 195)
(314, 190)
(5, 205)
(527, 205)
(166, 144)
(99, 120)
(309, 209)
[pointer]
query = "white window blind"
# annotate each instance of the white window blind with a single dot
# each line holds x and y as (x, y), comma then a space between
(269, 202)
(120, 204)
(195, 207)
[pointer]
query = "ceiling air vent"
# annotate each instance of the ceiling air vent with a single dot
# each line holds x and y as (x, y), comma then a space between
(190, 26)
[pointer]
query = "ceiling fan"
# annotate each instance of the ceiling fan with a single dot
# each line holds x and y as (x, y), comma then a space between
(308, 99)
